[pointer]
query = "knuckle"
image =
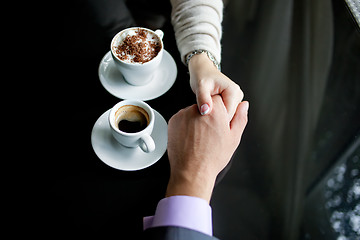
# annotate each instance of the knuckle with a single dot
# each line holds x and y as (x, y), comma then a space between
(171, 120)
(238, 91)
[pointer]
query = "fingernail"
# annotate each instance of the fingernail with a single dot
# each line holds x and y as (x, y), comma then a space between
(204, 109)
(246, 107)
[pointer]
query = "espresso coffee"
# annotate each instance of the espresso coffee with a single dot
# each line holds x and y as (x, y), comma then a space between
(137, 46)
(131, 127)
(131, 119)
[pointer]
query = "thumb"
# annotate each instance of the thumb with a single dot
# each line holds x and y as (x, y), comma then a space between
(240, 118)
(204, 100)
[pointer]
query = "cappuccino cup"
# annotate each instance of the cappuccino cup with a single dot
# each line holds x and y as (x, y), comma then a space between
(131, 123)
(137, 53)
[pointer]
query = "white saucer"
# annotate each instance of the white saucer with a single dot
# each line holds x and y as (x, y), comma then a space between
(117, 156)
(114, 83)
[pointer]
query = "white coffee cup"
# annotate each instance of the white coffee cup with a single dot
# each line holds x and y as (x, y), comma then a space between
(137, 73)
(134, 111)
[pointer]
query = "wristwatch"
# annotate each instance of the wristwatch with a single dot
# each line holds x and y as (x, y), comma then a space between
(210, 56)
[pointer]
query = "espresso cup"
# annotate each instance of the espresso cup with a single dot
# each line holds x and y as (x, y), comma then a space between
(137, 73)
(131, 123)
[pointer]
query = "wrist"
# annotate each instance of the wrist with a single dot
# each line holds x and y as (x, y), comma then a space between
(200, 186)
(200, 66)
(204, 56)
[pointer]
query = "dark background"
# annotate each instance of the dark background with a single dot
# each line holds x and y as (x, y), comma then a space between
(298, 64)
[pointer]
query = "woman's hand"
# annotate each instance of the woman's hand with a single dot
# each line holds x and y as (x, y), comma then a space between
(206, 81)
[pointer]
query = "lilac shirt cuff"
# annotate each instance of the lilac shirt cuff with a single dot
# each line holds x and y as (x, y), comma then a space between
(182, 211)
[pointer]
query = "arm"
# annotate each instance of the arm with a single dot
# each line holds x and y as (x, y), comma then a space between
(198, 148)
(197, 26)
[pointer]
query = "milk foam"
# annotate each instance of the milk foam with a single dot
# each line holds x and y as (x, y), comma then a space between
(150, 40)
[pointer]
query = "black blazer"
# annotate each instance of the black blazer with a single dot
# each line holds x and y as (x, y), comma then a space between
(174, 233)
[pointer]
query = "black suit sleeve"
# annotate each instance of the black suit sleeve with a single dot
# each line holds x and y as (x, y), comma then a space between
(174, 233)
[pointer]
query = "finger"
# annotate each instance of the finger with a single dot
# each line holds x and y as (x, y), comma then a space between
(218, 103)
(204, 100)
(232, 96)
(240, 118)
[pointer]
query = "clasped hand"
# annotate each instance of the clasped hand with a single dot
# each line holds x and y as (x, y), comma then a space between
(199, 147)
(207, 81)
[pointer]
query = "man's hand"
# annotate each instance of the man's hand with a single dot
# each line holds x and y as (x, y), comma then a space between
(199, 147)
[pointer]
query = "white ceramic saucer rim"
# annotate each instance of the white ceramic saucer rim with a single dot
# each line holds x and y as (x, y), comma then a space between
(123, 90)
(104, 150)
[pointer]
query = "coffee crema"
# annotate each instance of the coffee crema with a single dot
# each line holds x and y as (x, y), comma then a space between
(138, 46)
(131, 119)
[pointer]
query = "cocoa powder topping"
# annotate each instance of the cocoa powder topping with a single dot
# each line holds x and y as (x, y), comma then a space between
(138, 48)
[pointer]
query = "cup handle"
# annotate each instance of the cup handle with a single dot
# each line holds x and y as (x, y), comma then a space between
(147, 144)
(159, 33)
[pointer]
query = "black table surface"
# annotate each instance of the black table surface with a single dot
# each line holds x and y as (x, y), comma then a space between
(82, 194)
(300, 74)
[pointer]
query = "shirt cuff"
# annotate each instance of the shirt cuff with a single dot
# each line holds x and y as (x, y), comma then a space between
(182, 211)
